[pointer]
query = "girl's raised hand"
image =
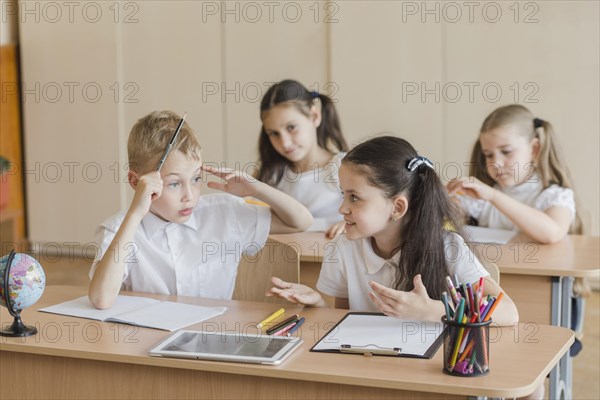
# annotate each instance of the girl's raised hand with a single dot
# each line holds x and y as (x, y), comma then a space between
(236, 182)
(472, 187)
(295, 293)
(335, 230)
(413, 305)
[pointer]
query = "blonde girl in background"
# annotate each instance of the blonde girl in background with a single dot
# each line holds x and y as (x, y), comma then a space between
(300, 149)
(518, 178)
(520, 181)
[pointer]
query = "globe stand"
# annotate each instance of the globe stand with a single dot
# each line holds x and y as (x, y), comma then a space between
(18, 328)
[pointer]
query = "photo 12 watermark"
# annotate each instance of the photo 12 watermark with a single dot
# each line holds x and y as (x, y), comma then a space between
(70, 92)
(70, 12)
(253, 92)
(452, 12)
(254, 12)
(469, 92)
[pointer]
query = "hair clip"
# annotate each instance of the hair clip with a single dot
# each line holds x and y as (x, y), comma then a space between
(417, 161)
(537, 123)
(314, 94)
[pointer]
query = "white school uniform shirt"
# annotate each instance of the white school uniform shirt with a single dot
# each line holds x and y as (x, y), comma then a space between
(530, 192)
(347, 270)
(318, 190)
(197, 258)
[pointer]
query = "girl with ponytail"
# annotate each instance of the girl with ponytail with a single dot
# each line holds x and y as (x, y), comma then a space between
(396, 253)
(518, 178)
(520, 181)
(300, 149)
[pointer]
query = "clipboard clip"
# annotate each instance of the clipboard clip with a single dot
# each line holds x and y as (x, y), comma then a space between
(371, 349)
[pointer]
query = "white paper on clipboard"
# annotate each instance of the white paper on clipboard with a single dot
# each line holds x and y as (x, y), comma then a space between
(376, 331)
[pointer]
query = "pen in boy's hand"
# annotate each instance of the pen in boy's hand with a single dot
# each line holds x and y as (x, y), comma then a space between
(171, 142)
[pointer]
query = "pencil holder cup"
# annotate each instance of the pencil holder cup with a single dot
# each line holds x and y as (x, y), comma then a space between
(466, 348)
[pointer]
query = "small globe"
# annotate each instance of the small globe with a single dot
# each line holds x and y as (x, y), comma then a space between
(26, 283)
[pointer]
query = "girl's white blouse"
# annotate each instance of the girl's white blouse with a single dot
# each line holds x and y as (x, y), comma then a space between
(530, 192)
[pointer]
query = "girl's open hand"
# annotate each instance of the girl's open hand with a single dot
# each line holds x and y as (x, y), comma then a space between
(295, 293)
(413, 305)
(472, 187)
(236, 182)
(335, 230)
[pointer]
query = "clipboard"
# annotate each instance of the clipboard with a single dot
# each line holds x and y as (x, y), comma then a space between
(369, 334)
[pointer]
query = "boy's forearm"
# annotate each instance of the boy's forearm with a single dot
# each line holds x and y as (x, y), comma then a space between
(288, 209)
(106, 282)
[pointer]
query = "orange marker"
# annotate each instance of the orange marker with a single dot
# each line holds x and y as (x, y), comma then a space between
(489, 314)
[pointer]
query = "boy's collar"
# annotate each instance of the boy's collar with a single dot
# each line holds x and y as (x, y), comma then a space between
(152, 224)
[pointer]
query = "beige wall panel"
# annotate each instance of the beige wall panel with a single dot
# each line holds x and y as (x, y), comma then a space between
(9, 9)
(70, 120)
(544, 57)
(258, 53)
(168, 55)
(378, 55)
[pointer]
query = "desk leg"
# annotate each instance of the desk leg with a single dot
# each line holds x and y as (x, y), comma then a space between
(561, 376)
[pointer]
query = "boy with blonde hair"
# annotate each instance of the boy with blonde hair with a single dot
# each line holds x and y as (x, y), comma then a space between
(165, 242)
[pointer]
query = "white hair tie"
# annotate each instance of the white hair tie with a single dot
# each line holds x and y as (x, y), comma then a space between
(417, 161)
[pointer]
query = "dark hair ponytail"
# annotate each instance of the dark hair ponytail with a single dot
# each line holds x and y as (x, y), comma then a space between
(430, 210)
(329, 132)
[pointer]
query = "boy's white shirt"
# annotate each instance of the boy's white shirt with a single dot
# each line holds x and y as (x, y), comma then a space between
(318, 190)
(530, 192)
(197, 258)
(347, 270)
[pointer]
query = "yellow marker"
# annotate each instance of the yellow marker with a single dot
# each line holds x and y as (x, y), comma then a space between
(270, 318)
(250, 200)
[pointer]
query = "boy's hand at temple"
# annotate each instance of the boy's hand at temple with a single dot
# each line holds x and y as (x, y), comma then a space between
(413, 305)
(147, 188)
(335, 230)
(295, 293)
(472, 187)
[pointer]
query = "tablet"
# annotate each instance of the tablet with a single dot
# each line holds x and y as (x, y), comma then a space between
(235, 347)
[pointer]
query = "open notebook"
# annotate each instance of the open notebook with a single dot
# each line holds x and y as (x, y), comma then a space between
(140, 311)
(378, 334)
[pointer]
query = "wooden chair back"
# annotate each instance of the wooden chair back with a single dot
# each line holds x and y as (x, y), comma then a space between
(255, 272)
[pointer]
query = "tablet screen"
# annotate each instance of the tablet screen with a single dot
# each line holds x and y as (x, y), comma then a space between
(226, 346)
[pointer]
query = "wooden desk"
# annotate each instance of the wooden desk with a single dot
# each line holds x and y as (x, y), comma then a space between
(539, 278)
(79, 358)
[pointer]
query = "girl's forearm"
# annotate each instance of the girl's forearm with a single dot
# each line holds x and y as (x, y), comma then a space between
(288, 209)
(533, 222)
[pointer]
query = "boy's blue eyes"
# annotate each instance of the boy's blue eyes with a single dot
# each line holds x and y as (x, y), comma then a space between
(175, 184)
